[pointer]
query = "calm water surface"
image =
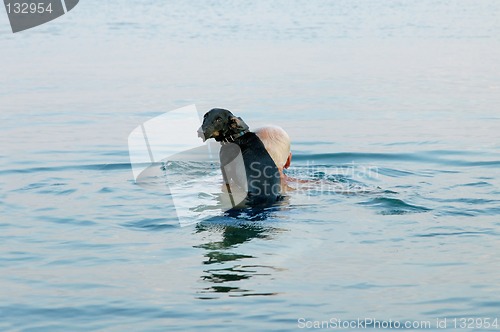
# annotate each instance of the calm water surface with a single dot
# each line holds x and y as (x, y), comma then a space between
(394, 113)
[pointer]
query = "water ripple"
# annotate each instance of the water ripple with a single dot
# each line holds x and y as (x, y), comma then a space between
(421, 157)
(393, 206)
(464, 233)
(92, 167)
(152, 224)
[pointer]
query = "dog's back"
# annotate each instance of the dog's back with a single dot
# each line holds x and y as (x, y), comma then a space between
(263, 183)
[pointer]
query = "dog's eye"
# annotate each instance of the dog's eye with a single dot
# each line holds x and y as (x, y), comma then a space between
(219, 119)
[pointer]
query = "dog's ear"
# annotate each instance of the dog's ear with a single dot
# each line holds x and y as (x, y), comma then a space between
(237, 124)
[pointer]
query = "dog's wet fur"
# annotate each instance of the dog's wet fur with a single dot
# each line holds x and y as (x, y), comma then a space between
(262, 175)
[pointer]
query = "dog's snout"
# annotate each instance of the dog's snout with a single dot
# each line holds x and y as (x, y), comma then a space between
(201, 134)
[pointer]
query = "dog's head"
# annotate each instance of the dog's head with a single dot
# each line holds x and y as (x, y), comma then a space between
(219, 123)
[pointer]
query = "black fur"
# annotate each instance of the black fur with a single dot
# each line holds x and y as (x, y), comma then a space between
(262, 175)
(220, 124)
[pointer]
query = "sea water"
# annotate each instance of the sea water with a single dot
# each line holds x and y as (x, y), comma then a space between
(393, 110)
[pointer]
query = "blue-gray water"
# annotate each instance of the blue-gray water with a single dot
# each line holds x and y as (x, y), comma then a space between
(393, 108)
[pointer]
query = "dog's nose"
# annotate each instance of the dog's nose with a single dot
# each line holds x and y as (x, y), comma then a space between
(201, 134)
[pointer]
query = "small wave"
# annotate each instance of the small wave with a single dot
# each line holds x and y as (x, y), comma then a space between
(464, 233)
(152, 224)
(468, 212)
(394, 206)
(93, 167)
(47, 188)
(468, 201)
(67, 220)
(433, 157)
(347, 157)
(106, 190)
(474, 184)
(88, 313)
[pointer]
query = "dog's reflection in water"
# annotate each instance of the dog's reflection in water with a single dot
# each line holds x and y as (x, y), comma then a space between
(227, 269)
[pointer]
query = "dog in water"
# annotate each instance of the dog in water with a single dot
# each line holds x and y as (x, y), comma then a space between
(245, 163)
